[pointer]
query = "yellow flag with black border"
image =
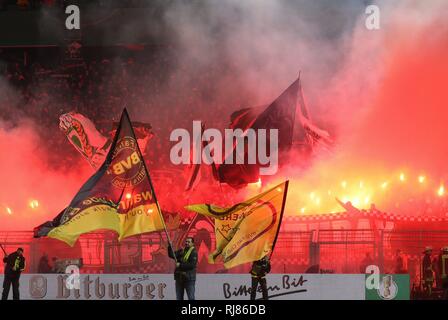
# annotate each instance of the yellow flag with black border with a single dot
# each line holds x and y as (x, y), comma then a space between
(247, 231)
(118, 197)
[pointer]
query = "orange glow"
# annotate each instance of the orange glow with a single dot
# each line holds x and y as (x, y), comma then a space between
(150, 211)
(441, 191)
(128, 196)
(310, 196)
(8, 210)
(34, 204)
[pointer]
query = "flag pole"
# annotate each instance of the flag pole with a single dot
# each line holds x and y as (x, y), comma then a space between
(158, 206)
(3, 249)
(281, 217)
(152, 189)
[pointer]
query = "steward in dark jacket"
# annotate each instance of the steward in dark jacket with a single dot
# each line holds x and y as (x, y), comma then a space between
(15, 264)
(185, 272)
(259, 270)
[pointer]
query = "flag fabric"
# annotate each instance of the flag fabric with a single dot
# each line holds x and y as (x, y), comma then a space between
(193, 170)
(280, 115)
(118, 197)
(247, 231)
(312, 135)
(82, 133)
(84, 136)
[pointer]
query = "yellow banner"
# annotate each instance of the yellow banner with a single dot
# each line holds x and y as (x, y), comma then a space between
(142, 219)
(247, 231)
(93, 218)
(118, 197)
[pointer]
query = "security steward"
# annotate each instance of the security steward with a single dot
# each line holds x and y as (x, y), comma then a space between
(15, 264)
(259, 270)
(185, 272)
(427, 271)
(443, 269)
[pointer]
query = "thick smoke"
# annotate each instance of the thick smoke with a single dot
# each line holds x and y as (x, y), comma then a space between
(388, 105)
(380, 93)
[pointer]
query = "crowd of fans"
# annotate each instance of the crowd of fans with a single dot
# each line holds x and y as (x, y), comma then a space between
(151, 84)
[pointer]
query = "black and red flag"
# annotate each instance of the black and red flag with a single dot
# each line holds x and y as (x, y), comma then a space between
(280, 115)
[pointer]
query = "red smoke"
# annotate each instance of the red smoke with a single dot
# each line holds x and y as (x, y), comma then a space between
(399, 127)
(401, 132)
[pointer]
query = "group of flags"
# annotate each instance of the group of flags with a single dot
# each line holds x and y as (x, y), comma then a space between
(120, 197)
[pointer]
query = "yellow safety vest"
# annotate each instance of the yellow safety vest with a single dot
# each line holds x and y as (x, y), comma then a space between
(187, 254)
(444, 258)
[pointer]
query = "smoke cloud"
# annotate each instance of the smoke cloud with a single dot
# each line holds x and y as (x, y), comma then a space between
(380, 93)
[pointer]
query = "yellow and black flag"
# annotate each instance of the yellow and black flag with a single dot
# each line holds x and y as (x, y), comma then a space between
(118, 197)
(247, 231)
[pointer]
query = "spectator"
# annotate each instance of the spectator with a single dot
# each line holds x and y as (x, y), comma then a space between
(44, 265)
(367, 261)
(400, 263)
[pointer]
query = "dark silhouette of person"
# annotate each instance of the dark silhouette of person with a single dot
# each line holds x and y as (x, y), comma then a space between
(367, 261)
(15, 264)
(259, 270)
(44, 265)
(427, 271)
(443, 270)
(400, 263)
(185, 272)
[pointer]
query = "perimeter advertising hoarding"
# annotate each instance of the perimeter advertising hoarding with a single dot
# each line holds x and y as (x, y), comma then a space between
(208, 287)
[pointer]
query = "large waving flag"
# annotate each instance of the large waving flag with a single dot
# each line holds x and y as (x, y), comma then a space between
(247, 231)
(280, 114)
(118, 197)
